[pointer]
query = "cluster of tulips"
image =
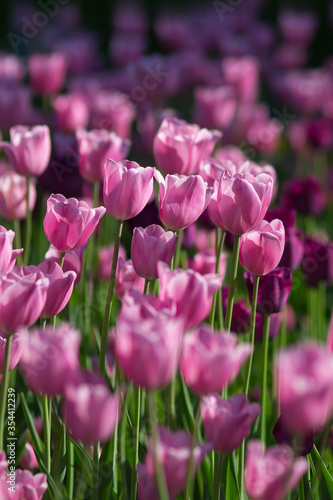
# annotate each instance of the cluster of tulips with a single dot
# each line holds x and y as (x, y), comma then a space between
(202, 366)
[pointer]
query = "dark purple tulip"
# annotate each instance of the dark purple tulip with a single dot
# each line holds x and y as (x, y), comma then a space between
(303, 446)
(274, 325)
(317, 263)
(306, 196)
(293, 250)
(241, 314)
(273, 291)
(320, 133)
(287, 216)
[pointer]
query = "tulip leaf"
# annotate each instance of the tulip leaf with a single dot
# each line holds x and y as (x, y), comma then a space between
(325, 479)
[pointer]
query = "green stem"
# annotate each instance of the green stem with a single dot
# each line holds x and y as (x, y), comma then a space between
(171, 403)
(122, 442)
(62, 259)
(217, 295)
(18, 243)
(191, 469)
(252, 331)
(47, 433)
(218, 462)
(107, 312)
(232, 284)
(94, 493)
(159, 471)
(27, 227)
(147, 286)
(136, 440)
(176, 257)
(301, 489)
(4, 388)
(263, 395)
(70, 468)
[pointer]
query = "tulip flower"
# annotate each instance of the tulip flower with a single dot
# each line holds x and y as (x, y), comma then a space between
(304, 375)
(72, 262)
(270, 474)
(47, 73)
(50, 358)
(69, 223)
(29, 149)
(26, 484)
(228, 423)
(113, 111)
(95, 147)
(181, 200)
(274, 289)
(211, 361)
(261, 249)
(105, 256)
(60, 288)
(191, 292)
(242, 201)
(71, 112)
(13, 196)
(205, 263)
(22, 300)
(317, 262)
(15, 352)
(148, 352)
(150, 245)
(173, 454)
(127, 278)
(242, 74)
(7, 254)
(180, 147)
(127, 188)
(306, 196)
(90, 410)
(302, 447)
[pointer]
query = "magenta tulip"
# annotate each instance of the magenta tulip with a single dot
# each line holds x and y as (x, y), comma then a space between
(304, 375)
(13, 196)
(71, 112)
(47, 73)
(60, 288)
(205, 263)
(228, 423)
(273, 292)
(211, 361)
(127, 188)
(261, 249)
(69, 223)
(7, 254)
(180, 147)
(191, 292)
(15, 351)
(22, 300)
(270, 474)
(173, 453)
(150, 245)
(242, 201)
(95, 147)
(90, 410)
(113, 111)
(182, 199)
(29, 149)
(27, 485)
(127, 279)
(105, 256)
(72, 262)
(148, 351)
(50, 358)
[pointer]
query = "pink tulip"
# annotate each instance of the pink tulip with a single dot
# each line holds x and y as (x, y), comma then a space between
(95, 147)
(13, 196)
(29, 149)
(27, 485)
(71, 112)
(127, 279)
(28, 458)
(211, 361)
(232, 153)
(191, 292)
(215, 106)
(242, 201)
(304, 376)
(228, 423)
(105, 256)
(7, 254)
(72, 262)
(47, 73)
(180, 147)
(150, 245)
(69, 223)
(205, 263)
(90, 410)
(297, 27)
(50, 358)
(173, 453)
(113, 111)
(138, 307)
(148, 351)
(271, 474)
(329, 340)
(243, 75)
(22, 300)
(182, 199)
(127, 188)
(15, 351)
(261, 249)
(60, 288)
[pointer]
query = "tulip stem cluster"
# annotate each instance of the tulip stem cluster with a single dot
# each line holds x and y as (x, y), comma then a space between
(232, 283)
(263, 392)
